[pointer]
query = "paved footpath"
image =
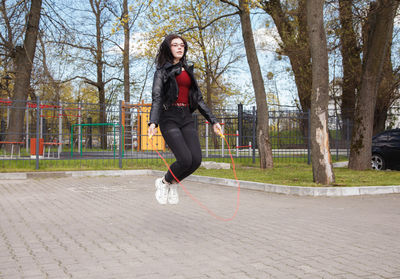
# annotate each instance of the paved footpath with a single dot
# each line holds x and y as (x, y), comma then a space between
(112, 227)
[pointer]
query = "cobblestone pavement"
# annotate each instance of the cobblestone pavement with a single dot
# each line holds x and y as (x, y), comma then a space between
(112, 227)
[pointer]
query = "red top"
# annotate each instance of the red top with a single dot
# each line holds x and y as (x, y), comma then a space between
(184, 82)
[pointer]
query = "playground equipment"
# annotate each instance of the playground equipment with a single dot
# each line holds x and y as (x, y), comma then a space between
(61, 114)
(33, 146)
(47, 111)
(53, 109)
(12, 146)
(143, 116)
(55, 123)
(49, 145)
(8, 103)
(92, 125)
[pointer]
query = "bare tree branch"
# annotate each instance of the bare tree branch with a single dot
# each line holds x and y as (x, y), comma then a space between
(232, 4)
(208, 24)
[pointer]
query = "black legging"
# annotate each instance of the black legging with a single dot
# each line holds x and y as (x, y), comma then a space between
(179, 132)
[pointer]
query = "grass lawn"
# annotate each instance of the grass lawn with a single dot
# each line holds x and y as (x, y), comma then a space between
(284, 173)
(296, 174)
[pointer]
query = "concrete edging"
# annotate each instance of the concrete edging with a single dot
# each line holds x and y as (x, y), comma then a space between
(265, 187)
(299, 190)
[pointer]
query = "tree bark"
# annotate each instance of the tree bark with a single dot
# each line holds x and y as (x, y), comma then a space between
(125, 62)
(296, 47)
(97, 10)
(321, 156)
(24, 56)
(380, 24)
(386, 93)
(264, 144)
(351, 64)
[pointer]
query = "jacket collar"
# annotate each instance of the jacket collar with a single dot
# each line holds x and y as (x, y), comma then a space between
(169, 67)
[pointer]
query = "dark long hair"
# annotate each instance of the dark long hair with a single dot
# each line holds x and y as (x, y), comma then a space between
(164, 53)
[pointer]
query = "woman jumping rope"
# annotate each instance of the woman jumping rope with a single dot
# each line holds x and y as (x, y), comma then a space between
(175, 96)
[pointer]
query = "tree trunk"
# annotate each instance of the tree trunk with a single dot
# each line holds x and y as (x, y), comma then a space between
(380, 24)
(301, 59)
(264, 144)
(301, 66)
(296, 47)
(100, 66)
(125, 61)
(351, 64)
(24, 56)
(102, 117)
(102, 106)
(125, 58)
(386, 93)
(321, 156)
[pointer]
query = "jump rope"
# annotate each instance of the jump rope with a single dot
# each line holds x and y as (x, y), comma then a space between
(194, 198)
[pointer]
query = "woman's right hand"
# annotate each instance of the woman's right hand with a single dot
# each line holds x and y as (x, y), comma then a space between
(152, 131)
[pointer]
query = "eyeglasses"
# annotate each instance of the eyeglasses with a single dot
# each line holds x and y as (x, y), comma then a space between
(178, 45)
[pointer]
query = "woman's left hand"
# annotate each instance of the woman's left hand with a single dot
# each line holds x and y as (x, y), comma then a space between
(217, 129)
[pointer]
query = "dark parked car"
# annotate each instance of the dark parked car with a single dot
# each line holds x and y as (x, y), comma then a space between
(386, 150)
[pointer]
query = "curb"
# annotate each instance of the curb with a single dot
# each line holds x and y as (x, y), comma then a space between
(265, 187)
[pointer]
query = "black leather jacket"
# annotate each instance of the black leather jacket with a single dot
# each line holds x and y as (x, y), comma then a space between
(165, 92)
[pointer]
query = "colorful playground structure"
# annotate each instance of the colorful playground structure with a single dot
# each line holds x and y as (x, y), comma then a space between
(72, 130)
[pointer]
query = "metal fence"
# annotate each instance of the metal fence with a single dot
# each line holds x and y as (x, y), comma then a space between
(42, 135)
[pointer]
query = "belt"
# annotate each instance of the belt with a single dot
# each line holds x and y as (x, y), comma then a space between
(180, 104)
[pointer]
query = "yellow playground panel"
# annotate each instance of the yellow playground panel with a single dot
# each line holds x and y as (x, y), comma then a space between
(143, 111)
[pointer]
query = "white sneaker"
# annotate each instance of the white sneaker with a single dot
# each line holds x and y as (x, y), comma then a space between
(173, 197)
(161, 191)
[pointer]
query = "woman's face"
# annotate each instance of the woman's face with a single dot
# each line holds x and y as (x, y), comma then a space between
(177, 49)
